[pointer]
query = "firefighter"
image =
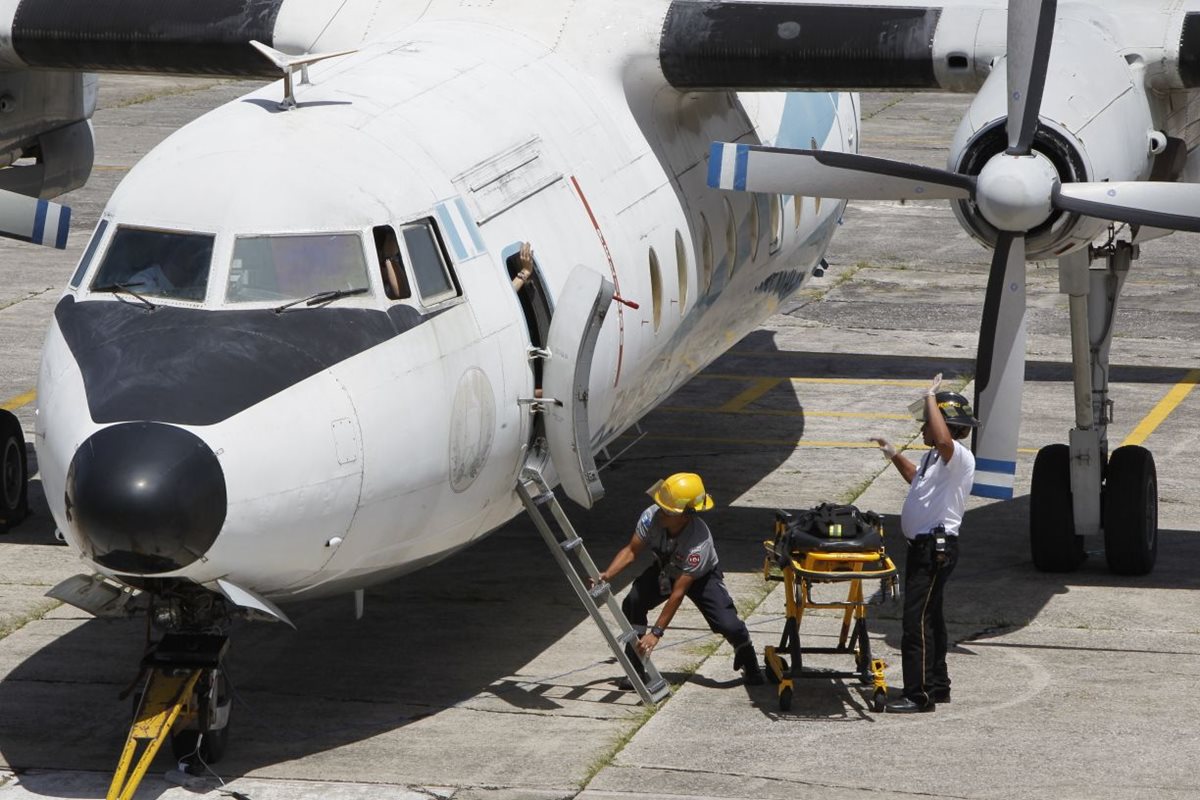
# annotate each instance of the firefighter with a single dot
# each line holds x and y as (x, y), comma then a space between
(685, 565)
(930, 520)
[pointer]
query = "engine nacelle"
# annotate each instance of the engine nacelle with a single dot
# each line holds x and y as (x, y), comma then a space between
(1095, 125)
(45, 134)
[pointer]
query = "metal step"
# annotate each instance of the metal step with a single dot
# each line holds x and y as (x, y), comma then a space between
(572, 556)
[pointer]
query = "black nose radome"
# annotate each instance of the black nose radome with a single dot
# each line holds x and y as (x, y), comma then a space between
(145, 497)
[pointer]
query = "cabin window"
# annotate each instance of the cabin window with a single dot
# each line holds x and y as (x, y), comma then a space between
(681, 264)
(706, 253)
(429, 264)
(293, 267)
(730, 235)
(755, 231)
(162, 264)
(391, 264)
(88, 254)
(656, 288)
(775, 219)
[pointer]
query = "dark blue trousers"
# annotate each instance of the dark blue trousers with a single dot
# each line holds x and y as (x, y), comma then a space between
(924, 643)
(708, 593)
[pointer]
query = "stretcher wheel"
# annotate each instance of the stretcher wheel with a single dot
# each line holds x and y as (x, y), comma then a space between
(879, 701)
(785, 699)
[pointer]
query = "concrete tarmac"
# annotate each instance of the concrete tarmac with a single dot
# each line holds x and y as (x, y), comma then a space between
(482, 678)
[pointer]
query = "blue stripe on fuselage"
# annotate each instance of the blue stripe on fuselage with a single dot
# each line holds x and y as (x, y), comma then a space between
(806, 116)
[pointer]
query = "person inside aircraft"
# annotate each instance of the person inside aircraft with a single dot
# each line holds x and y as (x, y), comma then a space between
(930, 520)
(391, 267)
(685, 565)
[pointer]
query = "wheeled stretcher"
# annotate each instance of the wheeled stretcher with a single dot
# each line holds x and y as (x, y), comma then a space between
(827, 544)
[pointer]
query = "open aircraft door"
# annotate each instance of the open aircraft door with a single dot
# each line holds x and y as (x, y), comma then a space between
(574, 328)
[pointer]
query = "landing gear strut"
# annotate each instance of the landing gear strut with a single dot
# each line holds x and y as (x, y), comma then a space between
(1077, 490)
(185, 698)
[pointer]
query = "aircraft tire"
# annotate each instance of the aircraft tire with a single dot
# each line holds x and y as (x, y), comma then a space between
(14, 473)
(1131, 511)
(212, 745)
(1052, 539)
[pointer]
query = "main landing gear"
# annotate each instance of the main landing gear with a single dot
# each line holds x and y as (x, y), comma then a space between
(14, 473)
(1079, 490)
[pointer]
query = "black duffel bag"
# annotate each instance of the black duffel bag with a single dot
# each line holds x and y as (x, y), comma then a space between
(827, 528)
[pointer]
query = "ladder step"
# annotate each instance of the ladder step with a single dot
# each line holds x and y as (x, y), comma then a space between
(659, 689)
(600, 592)
(626, 638)
(571, 544)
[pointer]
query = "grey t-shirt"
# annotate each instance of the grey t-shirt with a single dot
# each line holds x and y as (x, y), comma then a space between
(692, 552)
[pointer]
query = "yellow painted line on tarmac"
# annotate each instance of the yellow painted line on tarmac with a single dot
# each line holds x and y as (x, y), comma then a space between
(756, 390)
(13, 403)
(719, 376)
(1164, 408)
(780, 412)
(738, 440)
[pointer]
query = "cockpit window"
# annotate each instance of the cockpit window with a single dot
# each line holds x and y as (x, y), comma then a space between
(157, 263)
(280, 268)
(86, 261)
(428, 265)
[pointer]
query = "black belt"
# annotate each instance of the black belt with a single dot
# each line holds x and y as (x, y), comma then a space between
(921, 538)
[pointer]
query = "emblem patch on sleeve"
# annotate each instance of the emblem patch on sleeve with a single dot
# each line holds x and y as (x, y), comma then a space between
(693, 560)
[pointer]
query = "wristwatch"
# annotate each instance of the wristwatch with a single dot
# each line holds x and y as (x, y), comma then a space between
(657, 631)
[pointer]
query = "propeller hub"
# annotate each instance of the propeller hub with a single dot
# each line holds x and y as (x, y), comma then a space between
(1014, 193)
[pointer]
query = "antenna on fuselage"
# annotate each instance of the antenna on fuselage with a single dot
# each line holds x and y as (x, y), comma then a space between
(288, 65)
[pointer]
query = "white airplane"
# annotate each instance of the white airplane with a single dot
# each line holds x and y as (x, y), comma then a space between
(292, 361)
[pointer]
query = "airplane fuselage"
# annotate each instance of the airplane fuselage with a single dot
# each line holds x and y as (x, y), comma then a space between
(330, 446)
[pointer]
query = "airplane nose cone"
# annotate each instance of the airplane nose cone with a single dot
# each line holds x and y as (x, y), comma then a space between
(145, 497)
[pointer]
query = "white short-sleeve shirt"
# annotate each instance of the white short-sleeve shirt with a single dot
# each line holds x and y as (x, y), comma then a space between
(938, 493)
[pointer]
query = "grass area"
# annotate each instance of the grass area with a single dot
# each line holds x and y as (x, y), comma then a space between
(168, 91)
(40, 610)
(618, 744)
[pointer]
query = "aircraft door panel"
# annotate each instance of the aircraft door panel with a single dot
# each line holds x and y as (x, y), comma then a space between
(579, 313)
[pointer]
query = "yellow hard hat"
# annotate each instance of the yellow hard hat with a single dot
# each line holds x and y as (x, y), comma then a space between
(681, 492)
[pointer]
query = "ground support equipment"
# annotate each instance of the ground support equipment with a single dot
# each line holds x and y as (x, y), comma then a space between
(802, 554)
(168, 702)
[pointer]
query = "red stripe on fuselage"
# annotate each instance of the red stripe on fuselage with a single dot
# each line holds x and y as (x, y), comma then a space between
(612, 268)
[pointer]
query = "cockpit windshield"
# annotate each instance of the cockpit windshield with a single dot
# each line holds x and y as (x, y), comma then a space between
(157, 263)
(282, 268)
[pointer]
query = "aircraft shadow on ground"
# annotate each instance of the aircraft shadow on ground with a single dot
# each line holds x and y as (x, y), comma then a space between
(428, 642)
(471, 624)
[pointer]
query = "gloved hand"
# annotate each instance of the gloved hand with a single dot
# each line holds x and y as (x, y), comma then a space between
(933, 387)
(886, 447)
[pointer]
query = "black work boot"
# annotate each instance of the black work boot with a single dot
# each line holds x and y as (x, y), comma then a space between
(746, 660)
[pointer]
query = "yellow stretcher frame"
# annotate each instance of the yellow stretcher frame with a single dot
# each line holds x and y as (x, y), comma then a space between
(803, 569)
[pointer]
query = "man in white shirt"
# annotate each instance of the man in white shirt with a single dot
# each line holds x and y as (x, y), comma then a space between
(685, 565)
(930, 520)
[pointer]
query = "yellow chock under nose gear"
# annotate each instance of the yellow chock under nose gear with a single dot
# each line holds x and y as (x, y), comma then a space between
(683, 491)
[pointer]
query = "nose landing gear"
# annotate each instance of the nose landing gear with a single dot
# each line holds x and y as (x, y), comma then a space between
(186, 698)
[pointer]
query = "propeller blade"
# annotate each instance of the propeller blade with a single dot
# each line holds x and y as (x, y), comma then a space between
(1175, 206)
(1030, 32)
(30, 219)
(817, 173)
(1000, 371)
